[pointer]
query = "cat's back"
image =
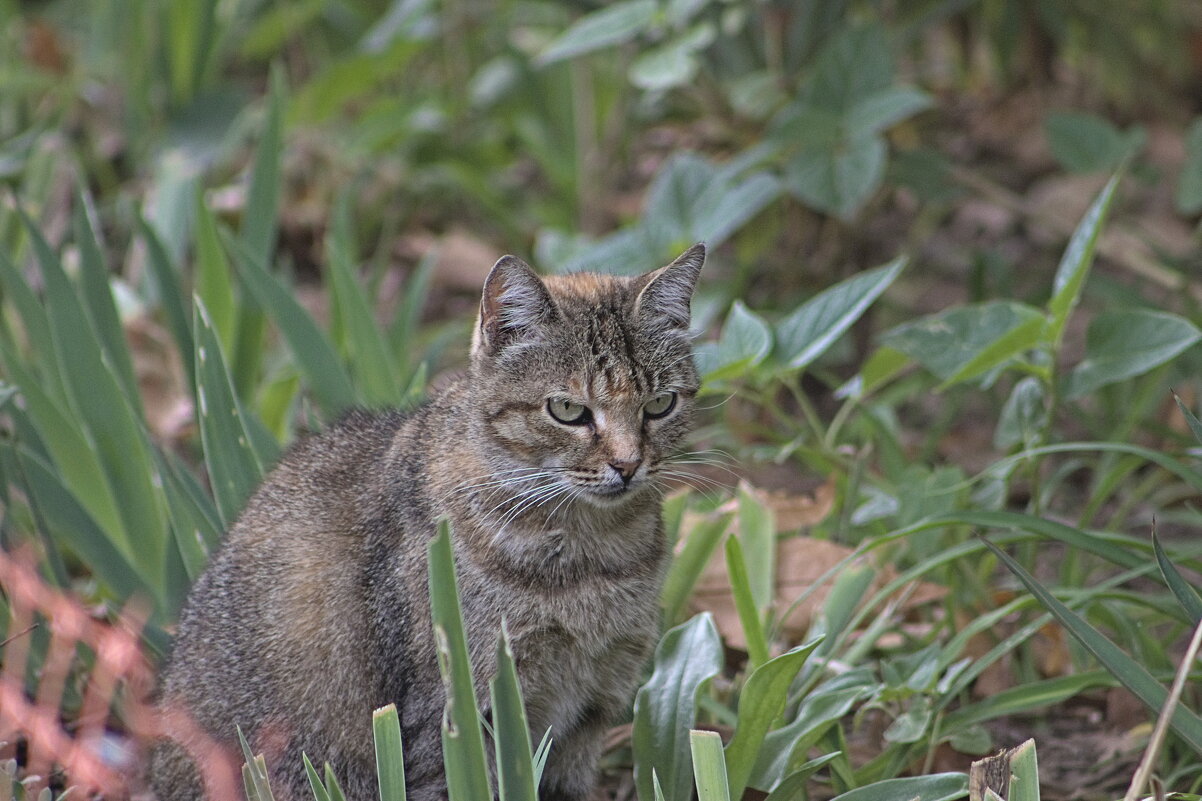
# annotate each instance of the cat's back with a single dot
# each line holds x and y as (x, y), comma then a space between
(277, 622)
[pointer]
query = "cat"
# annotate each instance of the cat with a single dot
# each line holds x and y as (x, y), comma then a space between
(545, 455)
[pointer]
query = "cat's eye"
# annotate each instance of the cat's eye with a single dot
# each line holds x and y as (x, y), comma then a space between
(660, 405)
(567, 411)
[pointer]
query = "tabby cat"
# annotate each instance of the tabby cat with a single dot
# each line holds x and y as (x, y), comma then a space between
(545, 456)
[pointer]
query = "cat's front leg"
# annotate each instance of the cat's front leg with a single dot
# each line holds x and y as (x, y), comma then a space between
(571, 770)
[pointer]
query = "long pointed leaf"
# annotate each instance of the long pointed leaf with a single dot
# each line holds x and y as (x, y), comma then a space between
(98, 295)
(99, 402)
(260, 220)
(172, 298)
(806, 334)
(1186, 595)
(234, 468)
(462, 740)
(1077, 258)
(310, 347)
(761, 701)
(511, 734)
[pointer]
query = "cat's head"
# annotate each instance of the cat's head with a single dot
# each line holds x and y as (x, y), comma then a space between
(584, 383)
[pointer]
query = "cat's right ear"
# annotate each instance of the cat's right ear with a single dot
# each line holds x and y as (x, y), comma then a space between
(514, 305)
(664, 294)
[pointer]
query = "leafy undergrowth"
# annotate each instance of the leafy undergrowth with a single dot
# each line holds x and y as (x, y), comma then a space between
(917, 522)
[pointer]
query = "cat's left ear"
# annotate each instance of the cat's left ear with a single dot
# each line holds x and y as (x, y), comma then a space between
(664, 294)
(514, 305)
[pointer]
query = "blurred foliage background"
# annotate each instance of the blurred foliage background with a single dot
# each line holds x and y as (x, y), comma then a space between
(223, 222)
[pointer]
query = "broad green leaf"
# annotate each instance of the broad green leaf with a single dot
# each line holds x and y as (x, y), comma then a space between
(462, 739)
(749, 616)
(1134, 676)
(947, 341)
(762, 699)
(1023, 417)
(390, 758)
(1023, 337)
(673, 63)
(745, 341)
(511, 734)
(855, 63)
(666, 706)
(877, 370)
(838, 179)
(610, 25)
(1189, 185)
(1077, 258)
(709, 768)
(936, 787)
(814, 326)
(310, 347)
(1186, 595)
(688, 563)
(1123, 344)
(1087, 143)
(883, 109)
(233, 466)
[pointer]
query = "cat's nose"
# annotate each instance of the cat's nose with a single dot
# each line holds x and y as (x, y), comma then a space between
(626, 468)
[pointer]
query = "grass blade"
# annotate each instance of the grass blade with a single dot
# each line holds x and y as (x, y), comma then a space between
(1186, 595)
(709, 766)
(1130, 673)
(462, 739)
(390, 757)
